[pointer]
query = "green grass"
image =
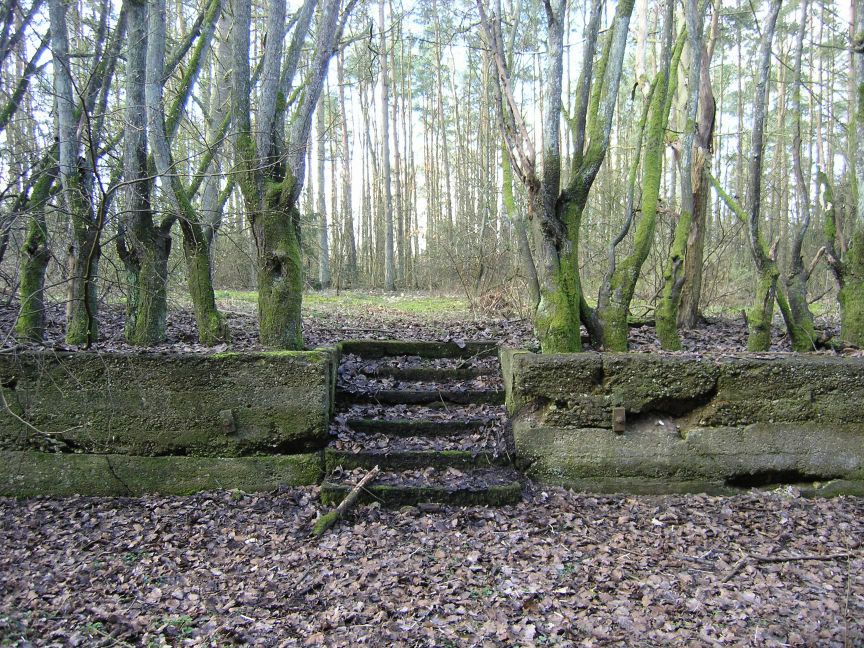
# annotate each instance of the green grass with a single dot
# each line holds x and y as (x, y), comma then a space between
(328, 301)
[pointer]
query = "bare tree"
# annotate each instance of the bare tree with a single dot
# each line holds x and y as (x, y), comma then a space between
(271, 169)
(557, 213)
(212, 328)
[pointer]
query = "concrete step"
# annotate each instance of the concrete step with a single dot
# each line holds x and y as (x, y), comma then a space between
(374, 349)
(486, 486)
(421, 397)
(429, 374)
(416, 428)
(411, 460)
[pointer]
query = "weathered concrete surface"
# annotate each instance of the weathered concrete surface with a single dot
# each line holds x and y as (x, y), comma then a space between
(381, 348)
(223, 405)
(701, 423)
(26, 474)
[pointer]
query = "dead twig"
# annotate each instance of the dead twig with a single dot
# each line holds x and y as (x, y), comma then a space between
(779, 559)
(737, 567)
(47, 436)
(328, 520)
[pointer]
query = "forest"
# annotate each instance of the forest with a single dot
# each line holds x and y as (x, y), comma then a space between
(580, 163)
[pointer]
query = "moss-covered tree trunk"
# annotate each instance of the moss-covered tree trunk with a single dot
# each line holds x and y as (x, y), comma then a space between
(556, 214)
(270, 171)
(557, 318)
(280, 273)
(800, 320)
(75, 177)
(82, 324)
(147, 304)
(691, 290)
(851, 294)
(761, 313)
(34, 260)
(666, 316)
(145, 254)
(796, 312)
(618, 286)
(196, 251)
(212, 327)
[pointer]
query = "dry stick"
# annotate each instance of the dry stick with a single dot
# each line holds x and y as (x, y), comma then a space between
(48, 436)
(779, 559)
(328, 520)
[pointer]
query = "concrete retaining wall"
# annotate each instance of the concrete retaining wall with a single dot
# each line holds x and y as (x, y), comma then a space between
(127, 424)
(691, 424)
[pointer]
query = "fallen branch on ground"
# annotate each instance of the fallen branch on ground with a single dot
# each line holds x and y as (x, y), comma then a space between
(737, 567)
(328, 520)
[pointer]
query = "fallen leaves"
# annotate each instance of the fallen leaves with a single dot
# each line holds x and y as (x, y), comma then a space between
(558, 569)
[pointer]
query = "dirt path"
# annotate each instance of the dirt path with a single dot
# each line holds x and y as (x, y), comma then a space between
(221, 569)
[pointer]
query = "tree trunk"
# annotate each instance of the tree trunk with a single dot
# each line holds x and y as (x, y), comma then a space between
(81, 325)
(270, 172)
(557, 214)
(761, 313)
(349, 244)
(34, 260)
(323, 240)
(666, 315)
(212, 328)
(851, 295)
(799, 318)
(619, 285)
(389, 262)
(691, 291)
(146, 255)
(523, 246)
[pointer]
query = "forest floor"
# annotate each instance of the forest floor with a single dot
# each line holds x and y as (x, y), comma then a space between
(222, 568)
(560, 569)
(329, 318)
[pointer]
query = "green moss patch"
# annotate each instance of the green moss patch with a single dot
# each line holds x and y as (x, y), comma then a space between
(223, 405)
(27, 474)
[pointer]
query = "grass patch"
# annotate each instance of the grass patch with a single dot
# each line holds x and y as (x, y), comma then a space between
(250, 296)
(409, 303)
(315, 303)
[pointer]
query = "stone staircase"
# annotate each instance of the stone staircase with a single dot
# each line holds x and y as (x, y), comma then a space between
(430, 416)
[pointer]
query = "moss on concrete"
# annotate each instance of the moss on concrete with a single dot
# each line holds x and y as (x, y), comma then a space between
(687, 420)
(383, 348)
(154, 405)
(332, 494)
(411, 460)
(27, 474)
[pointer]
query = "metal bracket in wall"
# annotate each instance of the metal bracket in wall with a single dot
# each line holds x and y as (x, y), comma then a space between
(229, 425)
(619, 420)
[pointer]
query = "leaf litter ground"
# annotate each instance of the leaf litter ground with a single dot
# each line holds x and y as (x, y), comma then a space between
(224, 569)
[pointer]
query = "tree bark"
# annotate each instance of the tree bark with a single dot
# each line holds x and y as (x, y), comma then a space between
(323, 240)
(145, 257)
(389, 261)
(81, 324)
(212, 328)
(271, 173)
(618, 286)
(851, 294)
(691, 291)
(35, 256)
(799, 319)
(666, 315)
(349, 244)
(761, 312)
(557, 214)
